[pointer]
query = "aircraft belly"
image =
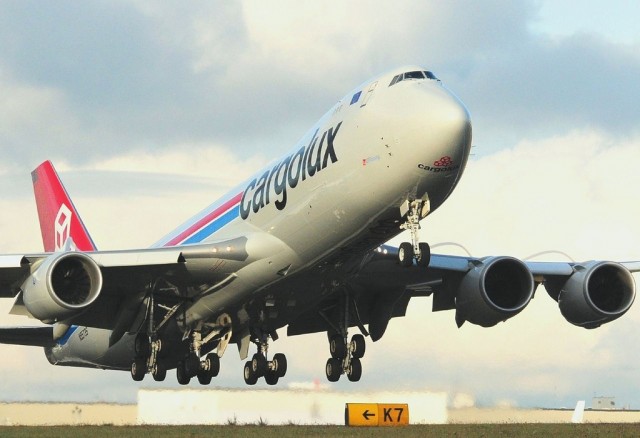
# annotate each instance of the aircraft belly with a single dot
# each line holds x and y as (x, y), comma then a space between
(89, 347)
(248, 280)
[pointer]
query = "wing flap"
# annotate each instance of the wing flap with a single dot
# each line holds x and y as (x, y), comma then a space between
(13, 269)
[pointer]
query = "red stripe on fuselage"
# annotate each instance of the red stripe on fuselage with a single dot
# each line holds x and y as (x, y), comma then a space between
(205, 220)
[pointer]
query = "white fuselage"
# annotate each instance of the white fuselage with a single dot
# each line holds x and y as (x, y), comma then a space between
(366, 155)
(346, 178)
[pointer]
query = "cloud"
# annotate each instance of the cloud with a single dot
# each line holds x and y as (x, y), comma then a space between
(103, 79)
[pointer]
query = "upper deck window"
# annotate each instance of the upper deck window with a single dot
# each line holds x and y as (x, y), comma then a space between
(413, 75)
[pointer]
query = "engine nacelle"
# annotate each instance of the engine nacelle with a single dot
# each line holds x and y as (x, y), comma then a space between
(494, 290)
(596, 293)
(62, 286)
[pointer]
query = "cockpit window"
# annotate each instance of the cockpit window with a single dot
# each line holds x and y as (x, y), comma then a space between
(413, 75)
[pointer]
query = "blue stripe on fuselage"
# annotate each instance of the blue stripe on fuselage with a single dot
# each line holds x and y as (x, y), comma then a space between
(214, 226)
(63, 340)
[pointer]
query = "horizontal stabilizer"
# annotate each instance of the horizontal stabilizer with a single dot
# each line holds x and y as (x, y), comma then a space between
(35, 336)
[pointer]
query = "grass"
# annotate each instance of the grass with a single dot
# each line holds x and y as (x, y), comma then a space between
(264, 431)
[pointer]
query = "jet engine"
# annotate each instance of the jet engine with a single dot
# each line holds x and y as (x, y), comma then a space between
(596, 293)
(496, 289)
(62, 286)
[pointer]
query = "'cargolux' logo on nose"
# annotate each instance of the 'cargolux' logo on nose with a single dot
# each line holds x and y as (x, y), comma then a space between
(443, 162)
(62, 227)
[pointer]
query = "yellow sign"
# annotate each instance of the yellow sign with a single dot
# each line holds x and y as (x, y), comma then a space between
(376, 414)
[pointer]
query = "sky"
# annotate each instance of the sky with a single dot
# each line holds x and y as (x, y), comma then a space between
(150, 111)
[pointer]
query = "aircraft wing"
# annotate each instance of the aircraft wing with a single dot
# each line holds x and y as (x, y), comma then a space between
(483, 291)
(114, 284)
(34, 336)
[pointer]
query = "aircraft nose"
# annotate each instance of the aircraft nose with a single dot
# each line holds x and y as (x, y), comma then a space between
(450, 117)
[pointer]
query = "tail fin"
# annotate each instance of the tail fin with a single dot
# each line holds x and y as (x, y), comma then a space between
(59, 220)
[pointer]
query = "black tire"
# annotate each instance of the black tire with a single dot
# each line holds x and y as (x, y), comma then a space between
(333, 369)
(159, 372)
(336, 347)
(192, 365)
(358, 346)
(405, 254)
(425, 254)
(249, 377)
(271, 377)
(181, 374)
(141, 345)
(280, 361)
(355, 370)
(259, 365)
(214, 364)
(138, 369)
(204, 377)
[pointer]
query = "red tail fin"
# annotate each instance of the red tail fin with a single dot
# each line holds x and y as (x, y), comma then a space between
(59, 219)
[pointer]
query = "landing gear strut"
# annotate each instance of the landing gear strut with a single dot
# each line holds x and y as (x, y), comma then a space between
(259, 366)
(345, 355)
(147, 344)
(420, 251)
(194, 366)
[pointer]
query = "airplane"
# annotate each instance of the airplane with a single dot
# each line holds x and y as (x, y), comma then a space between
(300, 245)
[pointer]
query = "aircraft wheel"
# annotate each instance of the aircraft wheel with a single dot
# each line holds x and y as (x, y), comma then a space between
(250, 377)
(192, 365)
(358, 346)
(259, 365)
(355, 370)
(405, 254)
(337, 347)
(271, 377)
(138, 369)
(425, 254)
(181, 374)
(141, 345)
(204, 377)
(280, 361)
(159, 372)
(214, 364)
(333, 369)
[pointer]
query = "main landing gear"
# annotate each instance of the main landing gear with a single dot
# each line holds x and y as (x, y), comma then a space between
(147, 349)
(196, 364)
(420, 251)
(345, 357)
(345, 354)
(259, 366)
(193, 366)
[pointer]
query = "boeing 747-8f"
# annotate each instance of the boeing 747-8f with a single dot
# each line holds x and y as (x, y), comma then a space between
(301, 245)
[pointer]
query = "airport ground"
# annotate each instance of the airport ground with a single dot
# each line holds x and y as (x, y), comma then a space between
(265, 431)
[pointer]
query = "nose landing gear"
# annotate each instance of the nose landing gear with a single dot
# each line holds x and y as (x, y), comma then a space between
(420, 251)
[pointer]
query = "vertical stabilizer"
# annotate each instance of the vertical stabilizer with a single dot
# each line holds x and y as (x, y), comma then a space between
(60, 224)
